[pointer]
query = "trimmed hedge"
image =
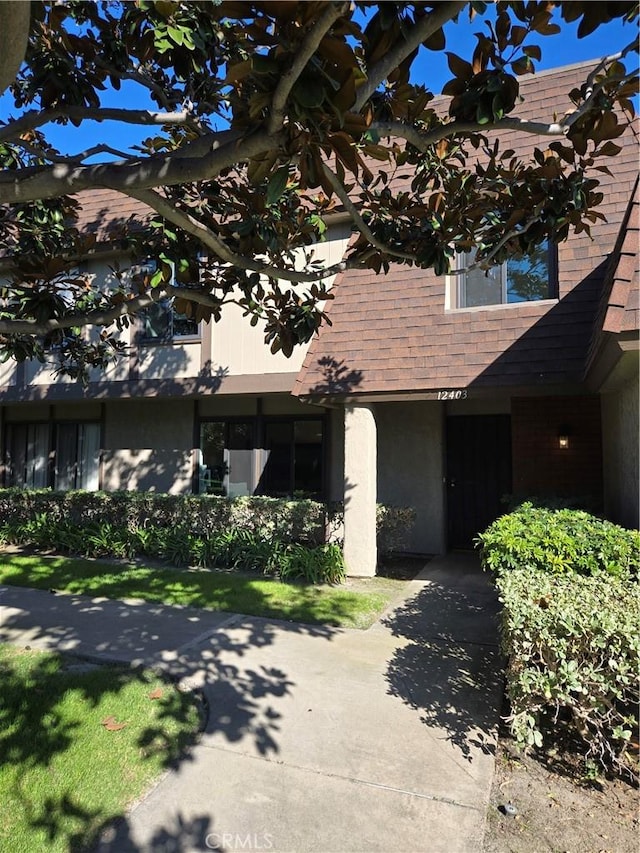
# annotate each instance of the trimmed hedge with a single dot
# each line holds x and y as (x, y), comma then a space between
(283, 538)
(568, 586)
(574, 655)
(301, 521)
(304, 522)
(560, 541)
(393, 524)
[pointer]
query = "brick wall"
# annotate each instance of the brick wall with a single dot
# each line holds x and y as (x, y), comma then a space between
(540, 466)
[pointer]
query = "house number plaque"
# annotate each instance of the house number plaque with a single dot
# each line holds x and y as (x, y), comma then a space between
(452, 394)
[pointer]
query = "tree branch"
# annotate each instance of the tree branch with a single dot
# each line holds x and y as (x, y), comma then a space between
(138, 77)
(14, 35)
(34, 183)
(419, 33)
(358, 221)
(303, 55)
(183, 220)
(52, 157)
(35, 118)
(422, 141)
(99, 317)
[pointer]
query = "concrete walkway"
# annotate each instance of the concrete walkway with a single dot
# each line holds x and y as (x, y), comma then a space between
(318, 739)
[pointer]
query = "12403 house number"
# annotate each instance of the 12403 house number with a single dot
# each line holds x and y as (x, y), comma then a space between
(452, 394)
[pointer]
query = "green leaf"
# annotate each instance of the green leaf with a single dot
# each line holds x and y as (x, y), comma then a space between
(277, 184)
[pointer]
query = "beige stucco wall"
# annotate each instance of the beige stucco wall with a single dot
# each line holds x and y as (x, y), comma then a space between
(620, 453)
(148, 446)
(411, 468)
(238, 348)
(8, 373)
(169, 361)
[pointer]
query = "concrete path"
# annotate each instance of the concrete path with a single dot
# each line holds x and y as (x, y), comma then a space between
(318, 739)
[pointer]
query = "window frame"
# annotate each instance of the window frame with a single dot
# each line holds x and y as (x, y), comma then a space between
(259, 424)
(456, 294)
(149, 266)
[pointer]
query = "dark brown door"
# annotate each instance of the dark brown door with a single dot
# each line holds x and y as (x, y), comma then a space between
(478, 474)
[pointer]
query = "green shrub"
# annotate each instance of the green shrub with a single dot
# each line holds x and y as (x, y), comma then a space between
(574, 654)
(97, 525)
(323, 564)
(559, 541)
(301, 521)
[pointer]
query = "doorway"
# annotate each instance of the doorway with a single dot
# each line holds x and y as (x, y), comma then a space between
(478, 460)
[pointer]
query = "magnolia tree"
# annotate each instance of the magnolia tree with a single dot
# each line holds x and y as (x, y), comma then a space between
(268, 117)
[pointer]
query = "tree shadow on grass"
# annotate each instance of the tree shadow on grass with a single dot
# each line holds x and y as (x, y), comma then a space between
(33, 733)
(450, 668)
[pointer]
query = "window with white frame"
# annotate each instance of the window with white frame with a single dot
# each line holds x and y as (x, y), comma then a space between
(161, 322)
(526, 279)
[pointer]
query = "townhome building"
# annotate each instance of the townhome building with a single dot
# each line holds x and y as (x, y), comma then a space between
(449, 394)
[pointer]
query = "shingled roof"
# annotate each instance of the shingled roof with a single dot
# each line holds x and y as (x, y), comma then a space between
(621, 294)
(619, 310)
(392, 334)
(104, 212)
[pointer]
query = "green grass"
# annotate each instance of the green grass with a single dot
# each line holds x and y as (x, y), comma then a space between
(208, 589)
(63, 774)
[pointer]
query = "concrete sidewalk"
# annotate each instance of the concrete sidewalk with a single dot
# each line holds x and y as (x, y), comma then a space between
(318, 739)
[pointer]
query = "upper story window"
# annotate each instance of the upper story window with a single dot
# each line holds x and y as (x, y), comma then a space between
(526, 279)
(161, 323)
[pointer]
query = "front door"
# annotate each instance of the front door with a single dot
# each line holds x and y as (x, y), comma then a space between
(478, 474)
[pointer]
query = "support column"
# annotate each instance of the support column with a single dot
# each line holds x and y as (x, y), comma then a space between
(360, 489)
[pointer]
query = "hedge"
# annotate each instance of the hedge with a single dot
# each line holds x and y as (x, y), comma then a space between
(301, 521)
(304, 522)
(573, 658)
(280, 537)
(560, 541)
(569, 591)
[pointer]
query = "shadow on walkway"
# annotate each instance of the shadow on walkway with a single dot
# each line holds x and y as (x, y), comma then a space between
(449, 670)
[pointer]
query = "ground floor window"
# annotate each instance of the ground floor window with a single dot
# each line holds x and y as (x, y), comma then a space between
(278, 457)
(64, 456)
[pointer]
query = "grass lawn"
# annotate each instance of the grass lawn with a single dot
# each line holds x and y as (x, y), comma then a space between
(64, 774)
(352, 608)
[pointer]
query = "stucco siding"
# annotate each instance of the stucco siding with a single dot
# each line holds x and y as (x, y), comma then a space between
(410, 468)
(620, 431)
(239, 348)
(148, 446)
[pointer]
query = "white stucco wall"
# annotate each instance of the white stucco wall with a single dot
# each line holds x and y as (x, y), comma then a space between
(620, 430)
(411, 468)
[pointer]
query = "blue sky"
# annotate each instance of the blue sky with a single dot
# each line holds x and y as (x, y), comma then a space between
(430, 68)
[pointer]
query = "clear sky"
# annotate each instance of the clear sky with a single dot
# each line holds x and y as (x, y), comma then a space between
(430, 68)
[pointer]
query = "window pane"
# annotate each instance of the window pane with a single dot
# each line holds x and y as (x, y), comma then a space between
(239, 459)
(184, 326)
(88, 474)
(77, 457)
(157, 321)
(277, 477)
(480, 287)
(528, 278)
(66, 456)
(308, 457)
(213, 468)
(28, 455)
